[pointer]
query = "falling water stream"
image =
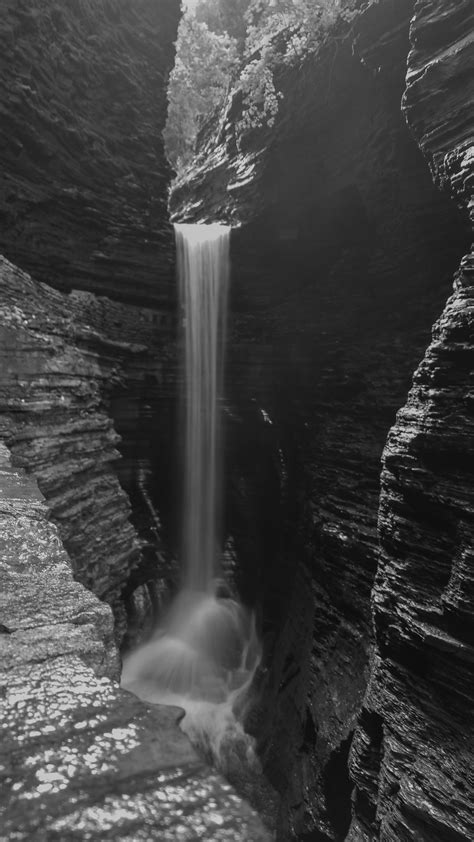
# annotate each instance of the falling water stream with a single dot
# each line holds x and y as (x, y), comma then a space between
(203, 271)
(205, 651)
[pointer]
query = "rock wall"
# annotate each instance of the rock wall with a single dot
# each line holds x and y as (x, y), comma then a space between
(83, 193)
(83, 189)
(342, 260)
(83, 204)
(343, 256)
(414, 746)
(80, 757)
(69, 360)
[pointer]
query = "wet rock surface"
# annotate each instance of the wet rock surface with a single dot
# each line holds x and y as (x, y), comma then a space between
(45, 613)
(412, 754)
(83, 208)
(83, 193)
(343, 262)
(82, 759)
(343, 259)
(83, 91)
(69, 360)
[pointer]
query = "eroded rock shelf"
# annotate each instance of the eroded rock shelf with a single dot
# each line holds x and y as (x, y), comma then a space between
(355, 249)
(352, 216)
(82, 759)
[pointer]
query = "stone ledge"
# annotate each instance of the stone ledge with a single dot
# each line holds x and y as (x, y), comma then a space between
(81, 758)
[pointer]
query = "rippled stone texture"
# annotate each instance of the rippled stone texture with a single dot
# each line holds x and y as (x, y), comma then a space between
(412, 754)
(45, 613)
(80, 758)
(68, 363)
(83, 205)
(342, 261)
(84, 178)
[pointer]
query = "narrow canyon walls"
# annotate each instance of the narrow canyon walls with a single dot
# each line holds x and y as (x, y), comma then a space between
(83, 190)
(83, 207)
(413, 749)
(83, 193)
(351, 216)
(80, 757)
(67, 359)
(343, 257)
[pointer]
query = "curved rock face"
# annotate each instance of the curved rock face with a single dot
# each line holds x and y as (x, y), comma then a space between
(415, 742)
(343, 258)
(83, 204)
(83, 196)
(342, 262)
(83, 190)
(69, 362)
(80, 757)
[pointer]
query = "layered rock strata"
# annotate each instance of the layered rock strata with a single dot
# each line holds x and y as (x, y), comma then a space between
(83, 206)
(413, 750)
(82, 759)
(343, 255)
(83, 191)
(84, 178)
(68, 360)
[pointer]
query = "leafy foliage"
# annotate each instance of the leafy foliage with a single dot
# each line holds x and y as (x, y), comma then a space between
(206, 62)
(303, 22)
(238, 44)
(280, 32)
(225, 17)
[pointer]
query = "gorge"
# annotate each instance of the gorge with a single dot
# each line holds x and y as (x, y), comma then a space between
(347, 503)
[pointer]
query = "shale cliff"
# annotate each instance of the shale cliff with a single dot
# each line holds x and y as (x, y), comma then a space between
(68, 360)
(413, 752)
(343, 257)
(83, 207)
(82, 759)
(84, 178)
(83, 196)
(350, 220)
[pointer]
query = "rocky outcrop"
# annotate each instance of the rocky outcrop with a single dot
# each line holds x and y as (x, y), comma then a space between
(44, 612)
(83, 205)
(83, 190)
(69, 361)
(343, 256)
(413, 749)
(82, 759)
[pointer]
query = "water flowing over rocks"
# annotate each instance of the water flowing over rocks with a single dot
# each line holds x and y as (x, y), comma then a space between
(82, 759)
(83, 207)
(342, 261)
(351, 218)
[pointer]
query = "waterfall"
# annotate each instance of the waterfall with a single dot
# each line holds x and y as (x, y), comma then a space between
(205, 652)
(203, 271)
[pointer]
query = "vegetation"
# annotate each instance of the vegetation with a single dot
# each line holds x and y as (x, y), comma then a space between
(205, 65)
(237, 44)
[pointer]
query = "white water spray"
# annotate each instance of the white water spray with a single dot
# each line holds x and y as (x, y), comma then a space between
(206, 650)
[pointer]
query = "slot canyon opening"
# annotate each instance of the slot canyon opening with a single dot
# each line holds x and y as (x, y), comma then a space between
(336, 281)
(343, 247)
